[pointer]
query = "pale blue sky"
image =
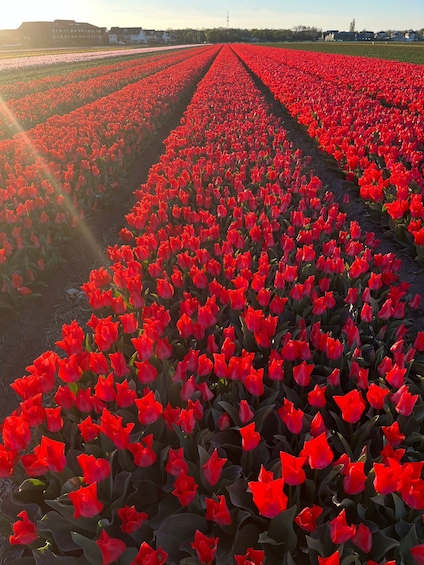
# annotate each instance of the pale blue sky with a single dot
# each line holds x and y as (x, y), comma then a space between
(374, 15)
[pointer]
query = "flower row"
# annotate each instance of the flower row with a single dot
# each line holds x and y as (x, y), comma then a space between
(379, 146)
(20, 88)
(54, 173)
(31, 109)
(389, 82)
(245, 386)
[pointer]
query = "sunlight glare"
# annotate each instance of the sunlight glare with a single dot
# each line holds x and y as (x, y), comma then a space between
(38, 159)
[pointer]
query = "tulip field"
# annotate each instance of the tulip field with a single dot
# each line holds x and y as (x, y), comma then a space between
(369, 116)
(55, 172)
(249, 388)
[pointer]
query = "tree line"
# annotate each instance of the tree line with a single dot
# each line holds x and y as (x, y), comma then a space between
(234, 35)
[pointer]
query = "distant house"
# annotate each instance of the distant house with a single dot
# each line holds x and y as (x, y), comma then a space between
(165, 36)
(398, 36)
(341, 36)
(381, 36)
(59, 33)
(134, 35)
(365, 36)
(127, 35)
(329, 34)
(411, 35)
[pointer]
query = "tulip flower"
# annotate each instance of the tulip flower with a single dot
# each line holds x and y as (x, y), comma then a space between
(24, 530)
(318, 452)
(268, 494)
(111, 548)
(85, 501)
(340, 531)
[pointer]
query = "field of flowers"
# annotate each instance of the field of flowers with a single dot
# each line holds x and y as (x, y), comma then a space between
(52, 174)
(248, 388)
(25, 104)
(367, 114)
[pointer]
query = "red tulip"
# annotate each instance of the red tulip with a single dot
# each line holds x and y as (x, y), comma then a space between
(213, 467)
(85, 501)
(292, 468)
(147, 555)
(131, 519)
(306, 519)
(417, 553)
(393, 434)
(333, 559)
(149, 409)
(205, 547)
(352, 405)
(355, 477)
(143, 452)
(111, 548)
(340, 531)
(24, 530)
(249, 437)
(217, 511)
(185, 488)
(318, 452)
(363, 538)
(268, 496)
(386, 477)
(291, 416)
(94, 469)
(251, 557)
(114, 429)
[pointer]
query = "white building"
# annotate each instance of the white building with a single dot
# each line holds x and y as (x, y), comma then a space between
(133, 35)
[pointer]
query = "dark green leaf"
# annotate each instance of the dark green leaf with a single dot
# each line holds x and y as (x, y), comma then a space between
(60, 528)
(281, 528)
(247, 537)
(128, 556)
(265, 538)
(400, 508)
(175, 529)
(239, 496)
(90, 548)
(47, 557)
(314, 544)
(231, 411)
(381, 544)
(350, 559)
(406, 543)
(67, 511)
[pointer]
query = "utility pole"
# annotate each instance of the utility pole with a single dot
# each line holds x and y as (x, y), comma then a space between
(228, 19)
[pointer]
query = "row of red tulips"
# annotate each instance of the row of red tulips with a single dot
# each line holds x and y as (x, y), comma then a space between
(245, 391)
(54, 173)
(379, 146)
(29, 110)
(390, 82)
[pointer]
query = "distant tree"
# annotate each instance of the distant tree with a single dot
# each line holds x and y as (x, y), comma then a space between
(352, 25)
(189, 36)
(303, 33)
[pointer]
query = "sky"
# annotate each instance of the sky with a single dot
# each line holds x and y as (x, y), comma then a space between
(373, 15)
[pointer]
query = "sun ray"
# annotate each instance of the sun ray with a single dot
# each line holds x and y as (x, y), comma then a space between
(37, 158)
